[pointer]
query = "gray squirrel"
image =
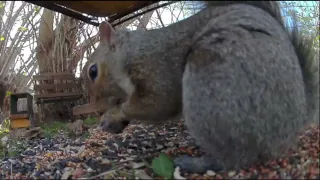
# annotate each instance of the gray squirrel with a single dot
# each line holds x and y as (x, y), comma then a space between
(245, 83)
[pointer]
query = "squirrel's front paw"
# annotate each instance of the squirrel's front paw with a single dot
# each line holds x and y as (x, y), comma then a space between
(112, 121)
(126, 108)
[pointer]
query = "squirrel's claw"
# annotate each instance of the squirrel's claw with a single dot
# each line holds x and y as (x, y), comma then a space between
(112, 122)
(197, 164)
(114, 127)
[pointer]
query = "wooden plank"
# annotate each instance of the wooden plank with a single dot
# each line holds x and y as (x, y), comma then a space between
(84, 109)
(51, 76)
(18, 116)
(65, 11)
(57, 99)
(110, 7)
(89, 108)
(56, 86)
(20, 123)
(39, 78)
(54, 95)
(21, 95)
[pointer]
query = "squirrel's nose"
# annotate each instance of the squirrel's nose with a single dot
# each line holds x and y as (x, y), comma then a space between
(93, 72)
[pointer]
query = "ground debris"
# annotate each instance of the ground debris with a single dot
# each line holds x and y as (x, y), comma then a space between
(128, 155)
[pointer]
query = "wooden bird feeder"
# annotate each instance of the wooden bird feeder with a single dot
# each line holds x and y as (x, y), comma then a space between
(89, 11)
(21, 119)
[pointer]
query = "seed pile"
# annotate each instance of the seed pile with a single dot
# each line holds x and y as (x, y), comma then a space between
(127, 155)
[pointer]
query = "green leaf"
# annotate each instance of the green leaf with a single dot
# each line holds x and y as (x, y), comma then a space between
(37, 9)
(24, 73)
(2, 38)
(163, 166)
(1, 5)
(22, 29)
(8, 93)
(133, 176)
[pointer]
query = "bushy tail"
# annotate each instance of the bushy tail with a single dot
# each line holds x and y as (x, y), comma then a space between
(272, 7)
(309, 63)
(304, 48)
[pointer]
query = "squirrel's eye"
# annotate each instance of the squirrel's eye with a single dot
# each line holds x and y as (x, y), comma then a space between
(93, 72)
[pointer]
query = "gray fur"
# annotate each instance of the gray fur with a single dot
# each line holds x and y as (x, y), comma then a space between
(234, 72)
(252, 94)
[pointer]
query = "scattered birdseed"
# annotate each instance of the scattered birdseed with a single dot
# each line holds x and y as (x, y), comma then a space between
(103, 155)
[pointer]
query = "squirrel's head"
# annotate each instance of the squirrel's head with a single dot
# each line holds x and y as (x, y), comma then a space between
(111, 50)
(107, 61)
(106, 51)
(101, 84)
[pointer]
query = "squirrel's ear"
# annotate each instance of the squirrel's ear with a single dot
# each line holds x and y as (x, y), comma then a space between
(106, 32)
